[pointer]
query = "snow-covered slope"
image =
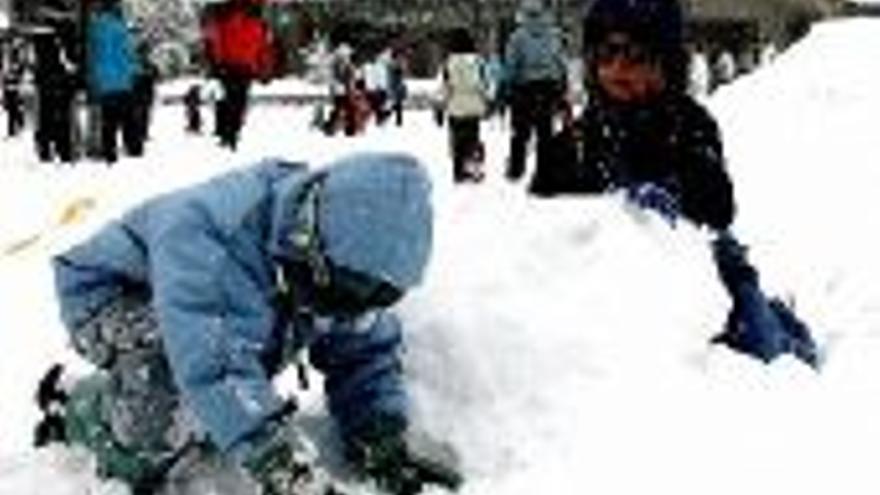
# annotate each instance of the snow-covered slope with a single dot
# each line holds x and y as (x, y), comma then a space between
(561, 346)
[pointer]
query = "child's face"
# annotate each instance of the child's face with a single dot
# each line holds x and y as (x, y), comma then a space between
(627, 72)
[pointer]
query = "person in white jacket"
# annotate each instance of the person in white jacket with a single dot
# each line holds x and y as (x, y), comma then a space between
(465, 95)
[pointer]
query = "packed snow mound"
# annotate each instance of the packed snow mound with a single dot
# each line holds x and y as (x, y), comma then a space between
(835, 63)
(533, 304)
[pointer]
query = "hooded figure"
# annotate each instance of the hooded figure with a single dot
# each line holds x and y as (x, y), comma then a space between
(214, 289)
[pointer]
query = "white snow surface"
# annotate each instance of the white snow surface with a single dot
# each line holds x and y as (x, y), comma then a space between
(560, 346)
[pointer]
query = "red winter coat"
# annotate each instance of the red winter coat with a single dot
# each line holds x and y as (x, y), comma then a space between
(239, 42)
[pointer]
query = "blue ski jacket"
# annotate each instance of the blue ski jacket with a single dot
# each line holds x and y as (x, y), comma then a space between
(207, 256)
(111, 59)
(534, 51)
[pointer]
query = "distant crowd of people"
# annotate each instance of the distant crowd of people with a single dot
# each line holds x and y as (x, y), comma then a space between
(531, 82)
(115, 77)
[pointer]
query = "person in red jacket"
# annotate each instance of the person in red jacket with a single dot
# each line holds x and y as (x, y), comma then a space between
(239, 50)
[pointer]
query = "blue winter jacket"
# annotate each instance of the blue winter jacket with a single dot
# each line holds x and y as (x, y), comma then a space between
(208, 255)
(111, 60)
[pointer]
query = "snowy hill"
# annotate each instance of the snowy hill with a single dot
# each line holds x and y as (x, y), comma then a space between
(561, 346)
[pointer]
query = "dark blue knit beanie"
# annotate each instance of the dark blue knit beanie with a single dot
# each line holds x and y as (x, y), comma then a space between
(658, 24)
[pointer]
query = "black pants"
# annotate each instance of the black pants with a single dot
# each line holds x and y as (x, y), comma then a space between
(464, 134)
(119, 115)
(378, 99)
(14, 106)
(230, 111)
(193, 118)
(397, 108)
(54, 132)
(533, 106)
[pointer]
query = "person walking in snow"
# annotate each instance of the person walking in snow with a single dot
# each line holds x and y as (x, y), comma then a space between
(56, 86)
(192, 302)
(643, 134)
(112, 68)
(192, 103)
(466, 102)
(342, 76)
(13, 102)
(239, 48)
(144, 93)
(397, 89)
(376, 78)
(536, 71)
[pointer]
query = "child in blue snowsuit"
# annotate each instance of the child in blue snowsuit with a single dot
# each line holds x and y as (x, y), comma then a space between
(640, 132)
(192, 302)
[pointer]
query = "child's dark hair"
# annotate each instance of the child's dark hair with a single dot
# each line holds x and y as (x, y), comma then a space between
(658, 25)
(461, 41)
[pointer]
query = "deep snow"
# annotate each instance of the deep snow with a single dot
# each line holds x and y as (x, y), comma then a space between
(561, 345)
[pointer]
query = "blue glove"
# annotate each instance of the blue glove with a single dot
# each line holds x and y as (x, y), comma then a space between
(758, 326)
(650, 196)
(766, 329)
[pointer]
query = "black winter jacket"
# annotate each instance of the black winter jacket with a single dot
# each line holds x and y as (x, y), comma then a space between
(674, 144)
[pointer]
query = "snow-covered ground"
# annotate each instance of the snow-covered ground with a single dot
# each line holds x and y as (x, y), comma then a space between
(561, 345)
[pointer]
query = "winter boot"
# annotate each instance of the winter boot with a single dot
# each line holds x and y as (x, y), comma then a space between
(51, 399)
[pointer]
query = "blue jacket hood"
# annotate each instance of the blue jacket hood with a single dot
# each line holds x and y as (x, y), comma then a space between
(374, 216)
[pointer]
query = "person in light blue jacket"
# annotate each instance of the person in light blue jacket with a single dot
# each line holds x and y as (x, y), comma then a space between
(112, 69)
(193, 301)
(535, 64)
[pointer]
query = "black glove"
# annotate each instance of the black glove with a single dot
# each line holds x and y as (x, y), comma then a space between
(280, 470)
(282, 462)
(402, 463)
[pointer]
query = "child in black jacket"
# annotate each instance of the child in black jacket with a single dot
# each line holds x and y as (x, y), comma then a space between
(640, 130)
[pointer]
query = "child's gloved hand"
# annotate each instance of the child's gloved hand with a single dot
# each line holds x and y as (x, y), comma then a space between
(651, 196)
(279, 470)
(282, 463)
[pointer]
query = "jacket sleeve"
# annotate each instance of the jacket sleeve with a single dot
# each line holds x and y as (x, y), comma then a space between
(198, 285)
(706, 189)
(95, 273)
(363, 372)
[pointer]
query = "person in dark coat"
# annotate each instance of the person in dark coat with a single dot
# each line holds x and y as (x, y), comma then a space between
(144, 94)
(193, 301)
(640, 129)
(13, 103)
(55, 79)
(397, 89)
(641, 133)
(192, 102)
